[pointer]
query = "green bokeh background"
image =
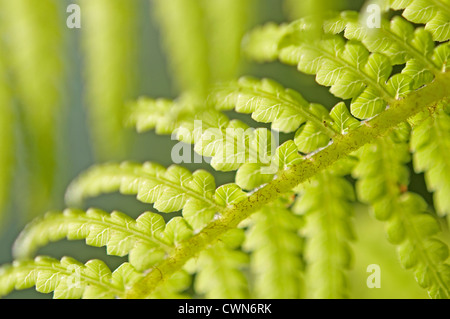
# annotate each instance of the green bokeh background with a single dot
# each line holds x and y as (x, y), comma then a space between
(155, 80)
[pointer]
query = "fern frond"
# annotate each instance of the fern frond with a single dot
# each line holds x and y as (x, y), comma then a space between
(269, 102)
(382, 180)
(110, 71)
(399, 40)
(228, 143)
(170, 190)
(430, 142)
(325, 203)
(276, 248)
(414, 231)
(220, 268)
(34, 46)
(162, 115)
(435, 14)
(67, 278)
(287, 179)
(382, 173)
(146, 240)
(262, 44)
(348, 68)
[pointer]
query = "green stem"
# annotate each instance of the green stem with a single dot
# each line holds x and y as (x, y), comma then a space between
(343, 145)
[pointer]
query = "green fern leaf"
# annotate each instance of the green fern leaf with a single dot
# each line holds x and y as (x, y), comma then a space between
(68, 278)
(430, 142)
(413, 230)
(269, 102)
(228, 143)
(170, 190)
(434, 14)
(275, 253)
(397, 39)
(262, 44)
(347, 68)
(220, 269)
(382, 180)
(325, 203)
(146, 239)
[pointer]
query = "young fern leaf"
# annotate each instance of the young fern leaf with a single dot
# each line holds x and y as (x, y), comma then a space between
(325, 203)
(229, 143)
(275, 247)
(402, 43)
(398, 40)
(262, 44)
(382, 182)
(286, 180)
(68, 278)
(269, 102)
(286, 109)
(435, 14)
(351, 71)
(170, 190)
(146, 240)
(430, 141)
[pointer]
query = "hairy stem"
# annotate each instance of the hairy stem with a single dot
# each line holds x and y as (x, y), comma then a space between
(343, 145)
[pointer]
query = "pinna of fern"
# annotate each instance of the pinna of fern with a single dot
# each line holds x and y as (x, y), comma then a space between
(370, 137)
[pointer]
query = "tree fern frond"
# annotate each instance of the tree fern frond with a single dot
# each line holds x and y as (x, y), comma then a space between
(382, 180)
(170, 190)
(67, 278)
(110, 71)
(430, 141)
(276, 248)
(325, 203)
(435, 14)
